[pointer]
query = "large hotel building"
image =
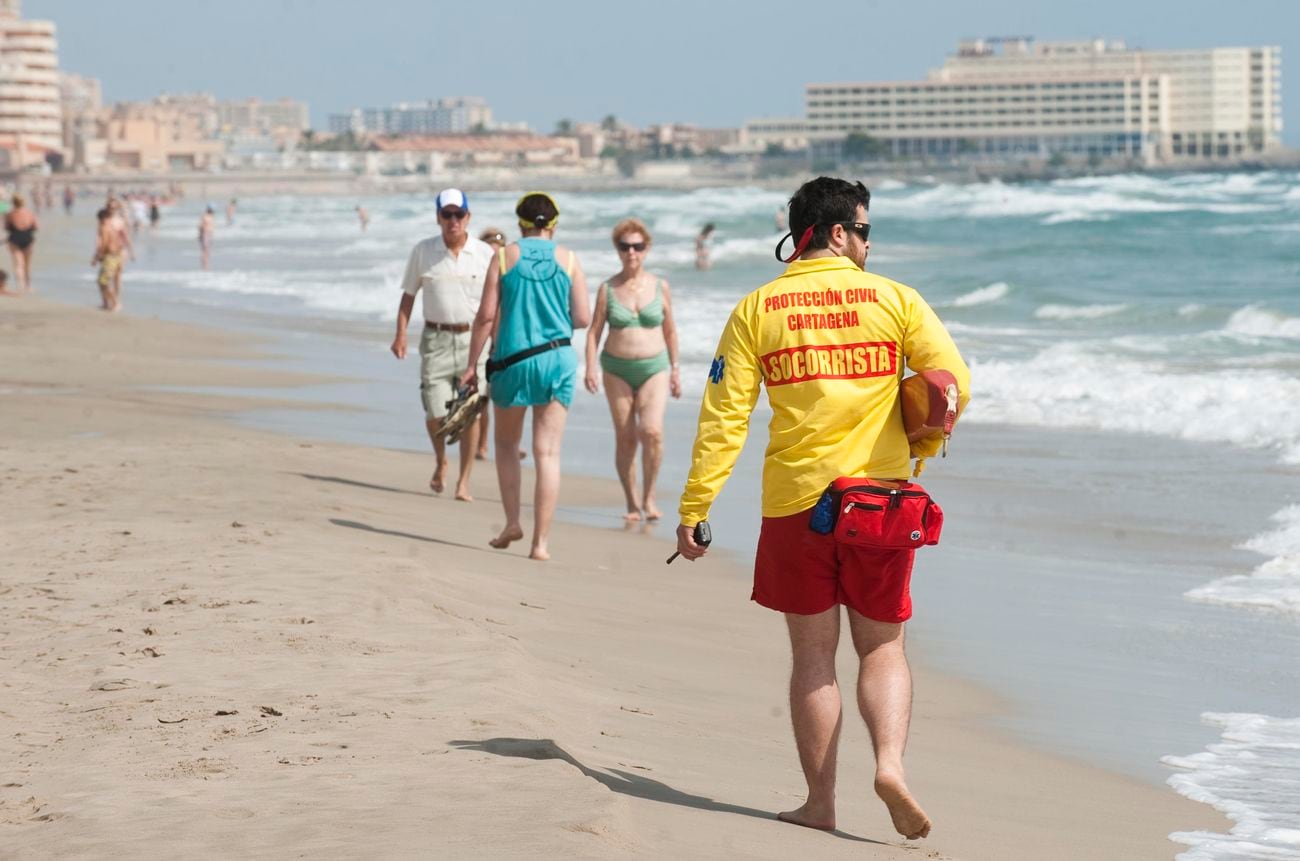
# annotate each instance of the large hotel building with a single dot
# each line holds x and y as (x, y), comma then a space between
(1015, 97)
(31, 117)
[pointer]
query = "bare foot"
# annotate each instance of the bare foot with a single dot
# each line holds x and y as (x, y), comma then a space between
(632, 516)
(809, 815)
(436, 483)
(540, 554)
(508, 535)
(482, 455)
(652, 511)
(909, 819)
(463, 494)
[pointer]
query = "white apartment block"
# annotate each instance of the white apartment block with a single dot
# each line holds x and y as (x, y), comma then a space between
(31, 117)
(444, 116)
(1016, 97)
(254, 116)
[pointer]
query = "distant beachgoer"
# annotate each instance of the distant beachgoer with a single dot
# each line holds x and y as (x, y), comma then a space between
(539, 293)
(117, 222)
(230, 211)
(110, 242)
(155, 213)
(832, 417)
(22, 226)
(207, 229)
(48, 194)
(496, 238)
(363, 217)
(702, 247)
(639, 364)
(139, 212)
(780, 221)
(69, 199)
(449, 269)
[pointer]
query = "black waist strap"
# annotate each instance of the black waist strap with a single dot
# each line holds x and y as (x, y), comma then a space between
(516, 358)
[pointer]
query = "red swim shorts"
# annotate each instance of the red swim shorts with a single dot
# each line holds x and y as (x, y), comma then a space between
(800, 571)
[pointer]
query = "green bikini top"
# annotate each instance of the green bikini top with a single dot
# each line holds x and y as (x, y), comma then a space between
(620, 316)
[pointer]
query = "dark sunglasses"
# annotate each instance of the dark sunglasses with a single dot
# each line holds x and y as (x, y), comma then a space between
(863, 230)
(631, 246)
(457, 214)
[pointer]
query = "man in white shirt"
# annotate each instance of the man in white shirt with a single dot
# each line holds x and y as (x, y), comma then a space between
(449, 269)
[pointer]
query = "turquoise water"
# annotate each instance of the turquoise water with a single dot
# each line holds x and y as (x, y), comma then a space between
(1167, 307)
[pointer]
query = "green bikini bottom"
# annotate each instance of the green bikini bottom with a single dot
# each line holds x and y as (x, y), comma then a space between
(634, 372)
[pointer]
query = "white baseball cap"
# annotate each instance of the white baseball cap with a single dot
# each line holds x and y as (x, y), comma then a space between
(451, 197)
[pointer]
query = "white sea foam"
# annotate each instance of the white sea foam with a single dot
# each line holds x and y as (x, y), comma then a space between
(1087, 199)
(365, 292)
(1253, 777)
(1077, 312)
(1274, 585)
(1086, 384)
(1258, 322)
(990, 293)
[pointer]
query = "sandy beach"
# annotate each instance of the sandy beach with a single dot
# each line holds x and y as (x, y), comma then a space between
(219, 641)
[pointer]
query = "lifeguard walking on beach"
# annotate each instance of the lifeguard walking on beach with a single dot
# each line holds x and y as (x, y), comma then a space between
(449, 268)
(828, 340)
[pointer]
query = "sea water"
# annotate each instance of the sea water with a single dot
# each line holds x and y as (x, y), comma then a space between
(1166, 306)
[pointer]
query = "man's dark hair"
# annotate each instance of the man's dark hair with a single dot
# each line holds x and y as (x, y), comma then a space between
(822, 202)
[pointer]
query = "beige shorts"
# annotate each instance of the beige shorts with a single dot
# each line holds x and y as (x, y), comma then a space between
(444, 356)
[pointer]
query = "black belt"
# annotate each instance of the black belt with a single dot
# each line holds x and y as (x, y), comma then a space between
(458, 328)
(516, 358)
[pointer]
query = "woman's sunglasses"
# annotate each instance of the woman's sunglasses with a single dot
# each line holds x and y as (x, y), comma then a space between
(631, 246)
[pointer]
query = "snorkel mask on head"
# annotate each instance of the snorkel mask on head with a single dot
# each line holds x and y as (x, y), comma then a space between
(538, 222)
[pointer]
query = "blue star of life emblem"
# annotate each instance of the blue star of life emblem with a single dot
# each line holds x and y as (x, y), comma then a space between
(715, 372)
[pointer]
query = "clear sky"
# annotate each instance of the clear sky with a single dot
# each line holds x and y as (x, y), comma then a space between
(709, 62)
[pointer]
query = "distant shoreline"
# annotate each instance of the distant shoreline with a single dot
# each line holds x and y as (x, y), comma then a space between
(680, 175)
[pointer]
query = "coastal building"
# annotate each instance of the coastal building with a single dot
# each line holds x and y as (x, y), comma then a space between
(31, 118)
(1015, 97)
(435, 153)
(252, 128)
(443, 116)
(669, 139)
(254, 116)
(81, 100)
(785, 134)
(170, 133)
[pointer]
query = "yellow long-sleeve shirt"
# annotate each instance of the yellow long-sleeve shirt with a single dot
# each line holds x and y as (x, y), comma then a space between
(829, 341)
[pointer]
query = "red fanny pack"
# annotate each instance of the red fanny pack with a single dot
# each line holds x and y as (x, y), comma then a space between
(887, 515)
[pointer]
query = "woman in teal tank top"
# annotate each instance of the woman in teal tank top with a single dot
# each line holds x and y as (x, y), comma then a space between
(639, 362)
(535, 294)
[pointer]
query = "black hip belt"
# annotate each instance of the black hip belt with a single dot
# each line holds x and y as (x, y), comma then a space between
(515, 358)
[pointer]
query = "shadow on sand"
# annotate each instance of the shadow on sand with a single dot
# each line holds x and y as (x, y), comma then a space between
(334, 479)
(622, 782)
(366, 527)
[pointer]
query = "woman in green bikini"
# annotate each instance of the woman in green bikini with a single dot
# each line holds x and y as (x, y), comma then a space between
(639, 364)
